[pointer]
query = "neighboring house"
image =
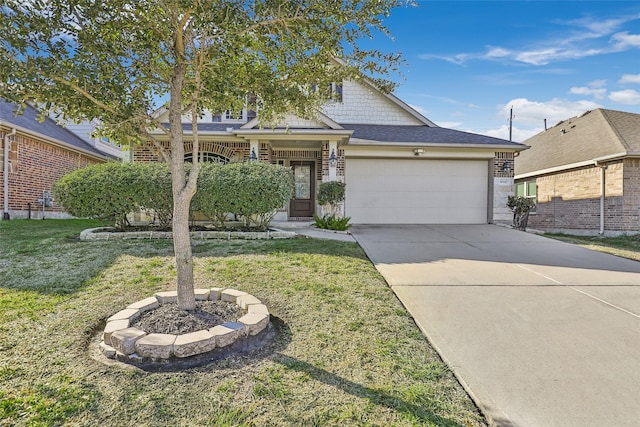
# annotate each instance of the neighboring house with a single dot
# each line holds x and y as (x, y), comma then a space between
(33, 157)
(87, 131)
(398, 166)
(585, 174)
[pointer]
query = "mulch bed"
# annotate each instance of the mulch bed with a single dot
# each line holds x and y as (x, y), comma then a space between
(169, 319)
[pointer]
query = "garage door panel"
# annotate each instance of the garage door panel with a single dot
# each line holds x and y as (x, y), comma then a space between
(416, 191)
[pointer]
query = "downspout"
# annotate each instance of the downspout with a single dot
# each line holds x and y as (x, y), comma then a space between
(6, 173)
(603, 168)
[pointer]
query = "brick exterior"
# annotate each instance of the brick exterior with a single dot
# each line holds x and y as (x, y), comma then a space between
(35, 165)
(570, 200)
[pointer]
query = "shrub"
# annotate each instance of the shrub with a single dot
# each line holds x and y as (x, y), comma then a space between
(151, 189)
(331, 222)
(330, 194)
(97, 191)
(113, 190)
(252, 190)
(520, 206)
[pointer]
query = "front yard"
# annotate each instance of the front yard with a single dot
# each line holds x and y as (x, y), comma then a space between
(348, 353)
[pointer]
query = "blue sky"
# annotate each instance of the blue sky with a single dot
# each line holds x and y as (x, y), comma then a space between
(470, 61)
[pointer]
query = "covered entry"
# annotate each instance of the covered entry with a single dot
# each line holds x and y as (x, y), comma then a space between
(416, 191)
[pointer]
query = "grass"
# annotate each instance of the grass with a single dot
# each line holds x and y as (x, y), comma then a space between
(347, 353)
(623, 246)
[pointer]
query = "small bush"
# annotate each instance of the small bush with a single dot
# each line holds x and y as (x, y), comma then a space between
(520, 206)
(331, 222)
(331, 192)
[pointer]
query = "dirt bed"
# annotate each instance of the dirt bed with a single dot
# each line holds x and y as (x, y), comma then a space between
(168, 319)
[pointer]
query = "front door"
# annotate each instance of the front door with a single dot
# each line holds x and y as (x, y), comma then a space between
(303, 202)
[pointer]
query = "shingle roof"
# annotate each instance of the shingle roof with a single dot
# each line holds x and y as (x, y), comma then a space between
(592, 135)
(424, 134)
(29, 121)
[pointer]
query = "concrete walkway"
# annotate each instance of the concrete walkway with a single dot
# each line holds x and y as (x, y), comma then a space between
(540, 332)
(304, 228)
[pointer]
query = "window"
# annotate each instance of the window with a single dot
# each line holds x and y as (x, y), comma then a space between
(208, 157)
(228, 115)
(528, 189)
(333, 91)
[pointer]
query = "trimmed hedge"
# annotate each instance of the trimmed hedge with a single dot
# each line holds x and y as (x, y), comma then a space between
(253, 191)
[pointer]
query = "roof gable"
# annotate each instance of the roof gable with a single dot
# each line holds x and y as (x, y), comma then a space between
(591, 136)
(48, 128)
(363, 103)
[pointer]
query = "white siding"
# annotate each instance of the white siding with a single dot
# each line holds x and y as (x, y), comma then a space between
(363, 105)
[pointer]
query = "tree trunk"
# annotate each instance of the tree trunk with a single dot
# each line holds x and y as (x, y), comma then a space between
(182, 250)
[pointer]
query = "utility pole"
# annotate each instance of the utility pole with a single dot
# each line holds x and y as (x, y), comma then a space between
(510, 122)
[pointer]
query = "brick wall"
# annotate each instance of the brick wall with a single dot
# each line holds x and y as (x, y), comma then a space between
(571, 200)
(235, 151)
(36, 166)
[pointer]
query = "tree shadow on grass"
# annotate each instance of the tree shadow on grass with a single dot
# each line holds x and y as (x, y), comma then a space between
(375, 396)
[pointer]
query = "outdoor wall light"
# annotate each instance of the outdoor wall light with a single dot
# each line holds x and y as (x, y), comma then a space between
(252, 156)
(505, 166)
(333, 160)
(418, 151)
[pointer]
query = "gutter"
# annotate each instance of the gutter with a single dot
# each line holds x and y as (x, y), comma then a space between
(515, 147)
(5, 215)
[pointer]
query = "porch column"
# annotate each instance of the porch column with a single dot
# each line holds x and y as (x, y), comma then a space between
(254, 147)
(333, 151)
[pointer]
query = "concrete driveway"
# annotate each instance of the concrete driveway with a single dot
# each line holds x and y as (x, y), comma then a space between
(540, 332)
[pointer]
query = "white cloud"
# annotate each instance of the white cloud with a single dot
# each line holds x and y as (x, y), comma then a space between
(625, 40)
(517, 134)
(533, 113)
(629, 78)
(627, 97)
(449, 125)
(597, 93)
(497, 52)
(587, 38)
(597, 83)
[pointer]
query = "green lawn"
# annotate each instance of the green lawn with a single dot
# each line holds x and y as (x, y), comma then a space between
(623, 246)
(348, 353)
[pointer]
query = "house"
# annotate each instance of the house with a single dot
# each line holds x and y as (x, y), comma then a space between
(584, 174)
(399, 167)
(34, 155)
(87, 130)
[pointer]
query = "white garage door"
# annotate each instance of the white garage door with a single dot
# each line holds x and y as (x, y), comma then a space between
(416, 191)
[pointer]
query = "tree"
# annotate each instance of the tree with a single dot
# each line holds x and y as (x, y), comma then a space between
(113, 59)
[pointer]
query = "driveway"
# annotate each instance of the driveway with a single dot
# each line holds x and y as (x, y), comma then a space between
(540, 332)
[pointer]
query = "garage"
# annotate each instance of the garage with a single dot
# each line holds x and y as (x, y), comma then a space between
(416, 191)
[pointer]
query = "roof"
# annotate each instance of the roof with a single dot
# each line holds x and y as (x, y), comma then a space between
(592, 136)
(424, 134)
(29, 121)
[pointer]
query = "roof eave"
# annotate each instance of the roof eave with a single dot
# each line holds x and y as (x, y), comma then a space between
(591, 162)
(55, 141)
(511, 147)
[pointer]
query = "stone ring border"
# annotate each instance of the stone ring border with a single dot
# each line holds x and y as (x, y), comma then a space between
(122, 342)
(105, 233)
